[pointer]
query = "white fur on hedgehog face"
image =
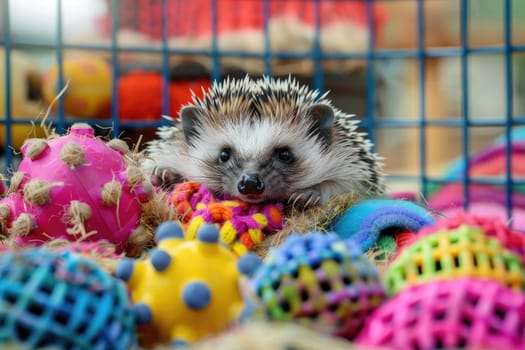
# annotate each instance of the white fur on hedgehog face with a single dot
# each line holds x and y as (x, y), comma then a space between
(255, 147)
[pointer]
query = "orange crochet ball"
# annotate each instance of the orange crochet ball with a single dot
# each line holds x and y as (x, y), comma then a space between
(241, 225)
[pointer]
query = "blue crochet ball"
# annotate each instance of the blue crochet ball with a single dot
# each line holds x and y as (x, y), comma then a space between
(63, 301)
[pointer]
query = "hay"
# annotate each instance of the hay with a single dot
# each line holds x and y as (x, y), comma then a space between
(153, 212)
(134, 175)
(5, 212)
(23, 225)
(35, 147)
(379, 258)
(118, 145)
(140, 239)
(78, 213)
(38, 192)
(156, 211)
(111, 193)
(318, 218)
(16, 180)
(72, 154)
(102, 253)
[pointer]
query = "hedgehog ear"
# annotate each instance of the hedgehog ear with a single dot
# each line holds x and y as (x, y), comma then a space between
(189, 117)
(322, 117)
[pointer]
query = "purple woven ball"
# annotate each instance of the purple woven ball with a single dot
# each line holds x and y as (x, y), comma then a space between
(320, 281)
(449, 314)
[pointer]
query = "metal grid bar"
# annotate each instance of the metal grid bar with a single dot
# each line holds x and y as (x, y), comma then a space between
(509, 104)
(370, 74)
(215, 54)
(115, 125)
(378, 54)
(422, 97)
(165, 60)
(372, 55)
(61, 121)
(267, 48)
(7, 46)
(465, 97)
(318, 78)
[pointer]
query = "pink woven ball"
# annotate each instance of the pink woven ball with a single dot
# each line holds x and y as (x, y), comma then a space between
(74, 187)
(449, 314)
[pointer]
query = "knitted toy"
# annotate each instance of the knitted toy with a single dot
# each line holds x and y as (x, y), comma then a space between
(367, 221)
(242, 225)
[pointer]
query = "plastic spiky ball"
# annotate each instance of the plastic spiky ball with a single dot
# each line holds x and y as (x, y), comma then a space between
(463, 252)
(320, 281)
(75, 187)
(62, 301)
(186, 289)
(464, 313)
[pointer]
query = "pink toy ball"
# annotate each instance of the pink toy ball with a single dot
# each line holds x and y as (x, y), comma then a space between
(78, 188)
(449, 314)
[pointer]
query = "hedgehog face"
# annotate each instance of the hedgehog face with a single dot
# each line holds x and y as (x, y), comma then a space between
(259, 168)
(252, 158)
(255, 180)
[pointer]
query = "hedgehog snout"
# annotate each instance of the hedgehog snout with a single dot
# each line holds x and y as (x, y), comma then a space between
(250, 184)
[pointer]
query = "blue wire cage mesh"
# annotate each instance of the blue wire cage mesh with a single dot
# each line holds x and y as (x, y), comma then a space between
(435, 83)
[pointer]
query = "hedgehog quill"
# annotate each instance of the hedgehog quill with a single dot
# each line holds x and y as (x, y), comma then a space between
(266, 140)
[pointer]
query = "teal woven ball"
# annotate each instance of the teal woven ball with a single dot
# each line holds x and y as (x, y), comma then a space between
(63, 301)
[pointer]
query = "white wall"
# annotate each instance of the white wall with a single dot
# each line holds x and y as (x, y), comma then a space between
(37, 19)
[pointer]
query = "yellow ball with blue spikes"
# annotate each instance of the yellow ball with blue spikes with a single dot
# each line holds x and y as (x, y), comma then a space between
(186, 289)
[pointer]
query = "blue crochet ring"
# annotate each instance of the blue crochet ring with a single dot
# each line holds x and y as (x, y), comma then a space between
(365, 221)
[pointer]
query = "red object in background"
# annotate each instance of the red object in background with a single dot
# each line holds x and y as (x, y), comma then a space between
(140, 95)
(194, 18)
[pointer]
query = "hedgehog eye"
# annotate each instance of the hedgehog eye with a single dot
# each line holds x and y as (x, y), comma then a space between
(284, 155)
(225, 155)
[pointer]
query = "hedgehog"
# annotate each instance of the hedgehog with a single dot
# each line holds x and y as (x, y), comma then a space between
(266, 139)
